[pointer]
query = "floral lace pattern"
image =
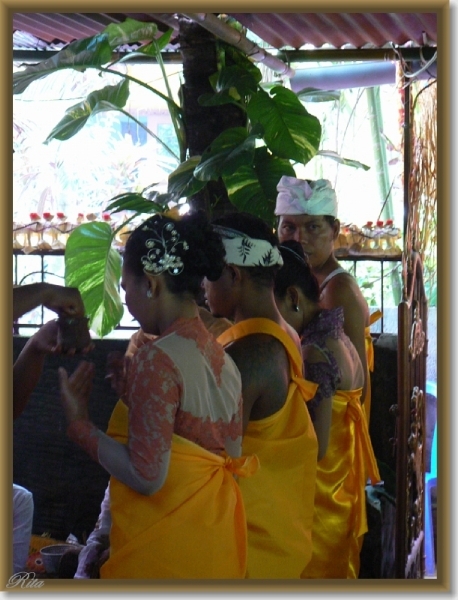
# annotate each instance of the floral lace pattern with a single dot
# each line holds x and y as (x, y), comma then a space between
(188, 329)
(208, 434)
(160, 404)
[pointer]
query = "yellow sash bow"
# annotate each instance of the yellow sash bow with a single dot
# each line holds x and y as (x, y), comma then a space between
(194, 527)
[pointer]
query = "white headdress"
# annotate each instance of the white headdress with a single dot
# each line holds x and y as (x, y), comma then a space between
(300, 196)
(245, 251)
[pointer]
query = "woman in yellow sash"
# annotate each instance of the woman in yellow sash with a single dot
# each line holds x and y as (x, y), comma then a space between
(277, 426)
(174, 440)
(345, 450)
(307, 211)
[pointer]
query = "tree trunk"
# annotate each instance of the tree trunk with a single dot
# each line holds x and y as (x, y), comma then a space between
(204, 123)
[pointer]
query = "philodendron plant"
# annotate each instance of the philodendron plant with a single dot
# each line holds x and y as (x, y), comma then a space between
(96, 52)
(249, 160)
(91, 262)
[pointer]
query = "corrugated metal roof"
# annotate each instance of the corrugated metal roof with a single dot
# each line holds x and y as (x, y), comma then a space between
(357, 30)
(57, 28)
(279, 30)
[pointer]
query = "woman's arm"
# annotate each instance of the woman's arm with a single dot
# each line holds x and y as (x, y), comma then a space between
(153, 397)
(29, 364)
(60, 299)
(28, 368)
(343, 291)
(320, 406)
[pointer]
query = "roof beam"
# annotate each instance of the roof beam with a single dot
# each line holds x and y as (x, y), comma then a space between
(412, 53)
(232, 36)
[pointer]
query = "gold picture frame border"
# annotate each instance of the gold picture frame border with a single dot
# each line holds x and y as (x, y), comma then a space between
(385, 586)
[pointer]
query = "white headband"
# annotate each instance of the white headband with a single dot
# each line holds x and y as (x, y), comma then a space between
(244, 251)
(299, 197)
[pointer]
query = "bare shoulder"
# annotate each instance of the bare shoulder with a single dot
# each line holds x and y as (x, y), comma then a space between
(264, 366)
(345, 284)
(257, 352)
(343, 290)
(312, 354)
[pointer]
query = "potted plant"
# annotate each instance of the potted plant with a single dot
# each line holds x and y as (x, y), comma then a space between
(249, 160)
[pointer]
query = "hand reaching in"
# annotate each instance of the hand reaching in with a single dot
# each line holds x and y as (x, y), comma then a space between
(63, 300)
(45, 341)
(28, 366)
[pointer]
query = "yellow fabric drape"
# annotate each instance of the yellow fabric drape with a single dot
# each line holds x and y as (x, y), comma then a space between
(373, 318)
(194, 527)
(340, 503)
(279, 504)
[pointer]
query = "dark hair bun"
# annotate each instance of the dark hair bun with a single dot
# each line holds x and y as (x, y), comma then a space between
(199, 249)
(206, 253)
(296, 271)
(294, 248)
(248, 224)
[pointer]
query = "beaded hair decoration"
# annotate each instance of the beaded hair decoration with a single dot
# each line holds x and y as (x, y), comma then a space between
(162, 252)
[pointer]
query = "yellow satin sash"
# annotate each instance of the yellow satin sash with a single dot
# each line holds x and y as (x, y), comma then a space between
(373, 318)
(340, 501)
(279, 505)
(194, 527)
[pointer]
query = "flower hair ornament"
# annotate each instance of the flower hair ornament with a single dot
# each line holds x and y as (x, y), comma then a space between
(245, 251)
(162, 252)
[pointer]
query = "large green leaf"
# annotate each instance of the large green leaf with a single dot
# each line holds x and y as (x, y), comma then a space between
(237, 77)
(176, 113)
(154, 47)
(349, 162)
(111, 97)
(93, 51)
(233, 84)
(182, 183)
(94, 267)
(228, 96)
(232, 149)
(289, 130)
(253, 188)
(137, 203)
(129, 32)
(240, 59)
